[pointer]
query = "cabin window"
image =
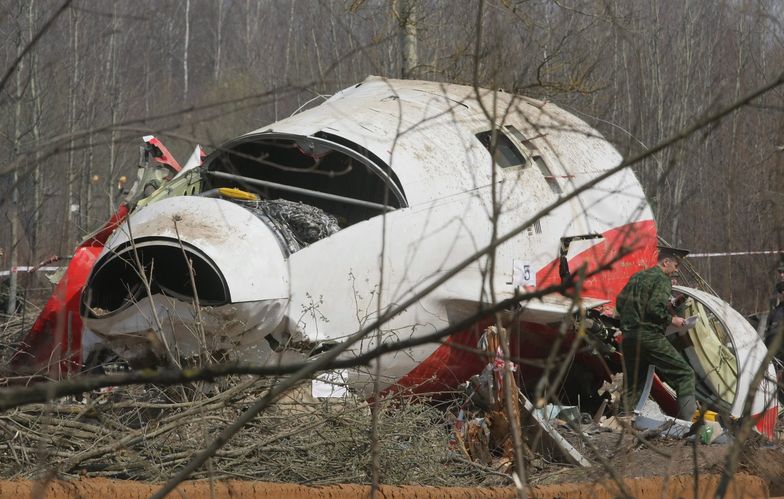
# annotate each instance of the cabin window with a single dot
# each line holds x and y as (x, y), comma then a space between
(507, 155)
(548, 175)
(514, 132)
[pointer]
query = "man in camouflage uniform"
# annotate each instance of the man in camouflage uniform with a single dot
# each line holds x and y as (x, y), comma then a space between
(644, 312)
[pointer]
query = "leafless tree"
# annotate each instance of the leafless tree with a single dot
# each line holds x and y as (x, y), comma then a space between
(640, 71)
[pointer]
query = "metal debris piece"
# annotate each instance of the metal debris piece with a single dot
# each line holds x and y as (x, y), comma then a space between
(646, 391)
(548, 438)
(563, 412)
(308, 223)
(614, 423)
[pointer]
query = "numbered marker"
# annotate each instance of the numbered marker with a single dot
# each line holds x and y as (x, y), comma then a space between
(523, 273)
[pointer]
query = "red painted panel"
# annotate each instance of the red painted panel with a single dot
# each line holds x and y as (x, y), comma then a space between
(165, 157)
(638, 240)
(766, 422)
(53, 346)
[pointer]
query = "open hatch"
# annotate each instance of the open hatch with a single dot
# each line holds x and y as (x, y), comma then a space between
(723, 349)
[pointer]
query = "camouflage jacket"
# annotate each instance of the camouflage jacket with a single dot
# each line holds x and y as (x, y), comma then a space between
(642, 304)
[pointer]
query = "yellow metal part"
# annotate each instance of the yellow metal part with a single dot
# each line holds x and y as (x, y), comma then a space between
(234, 193)
(707, 416)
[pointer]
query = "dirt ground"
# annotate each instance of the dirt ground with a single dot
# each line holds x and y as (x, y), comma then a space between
(664, 459)
(125, 444)
(743, 486)
(659, 468)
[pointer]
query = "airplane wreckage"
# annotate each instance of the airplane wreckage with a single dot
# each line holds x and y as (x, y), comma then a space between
(303, 231)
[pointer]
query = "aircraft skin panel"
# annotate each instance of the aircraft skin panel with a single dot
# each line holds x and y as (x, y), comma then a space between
(420, 245)
(749, 350)
(433, 160)
(226, 234)
(564, 138)
(52, 347)
(447, 362)
(430, 141)
(627, 249)
(47, 342)
(236, 328)
(616, 201)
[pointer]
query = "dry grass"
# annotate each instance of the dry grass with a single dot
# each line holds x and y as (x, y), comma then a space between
(147, 433)
(12, 330)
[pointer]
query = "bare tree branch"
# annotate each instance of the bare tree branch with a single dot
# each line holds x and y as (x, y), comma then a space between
(41, 32)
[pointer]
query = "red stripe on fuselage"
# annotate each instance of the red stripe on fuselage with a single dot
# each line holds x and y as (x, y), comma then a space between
(627, 249)
(456, 360)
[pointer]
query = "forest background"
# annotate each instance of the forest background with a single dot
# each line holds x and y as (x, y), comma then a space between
(82, 81)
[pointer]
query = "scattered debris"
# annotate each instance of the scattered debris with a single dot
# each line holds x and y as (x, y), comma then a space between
(615, 423)
(146, 433)
(488, 438)
(567, 413)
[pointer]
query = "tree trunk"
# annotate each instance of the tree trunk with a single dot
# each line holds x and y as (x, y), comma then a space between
(218, 42)
(14, 208)
(185, 51)
(71, 200)
(35, 116)
(113, 92)
(408, 38)
(286, 75)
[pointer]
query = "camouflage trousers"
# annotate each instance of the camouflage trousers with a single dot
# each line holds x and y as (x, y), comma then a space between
(645, 348)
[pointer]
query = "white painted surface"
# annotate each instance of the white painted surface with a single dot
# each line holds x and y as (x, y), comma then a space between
(425, 132)
(194, 161)
(236, 328)
(241, 246)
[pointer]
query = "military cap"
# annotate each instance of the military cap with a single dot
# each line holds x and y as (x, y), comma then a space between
(780, 267)
(670, 252)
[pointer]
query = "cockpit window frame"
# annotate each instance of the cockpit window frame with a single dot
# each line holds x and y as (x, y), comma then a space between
(382, 171)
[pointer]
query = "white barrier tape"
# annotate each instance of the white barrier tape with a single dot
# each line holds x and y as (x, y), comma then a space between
(20, 269)
(736, 253)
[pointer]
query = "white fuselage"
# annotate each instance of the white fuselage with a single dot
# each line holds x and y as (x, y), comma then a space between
(457, 200)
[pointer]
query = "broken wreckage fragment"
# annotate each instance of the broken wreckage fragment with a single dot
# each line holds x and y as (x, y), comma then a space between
(303, 231)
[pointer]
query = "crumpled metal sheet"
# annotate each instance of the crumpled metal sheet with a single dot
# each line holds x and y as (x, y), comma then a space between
(298, 224)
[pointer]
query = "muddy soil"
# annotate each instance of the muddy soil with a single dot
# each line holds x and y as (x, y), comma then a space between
(743, 486)
(768, 464)
(655, 469)
(629, 457)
